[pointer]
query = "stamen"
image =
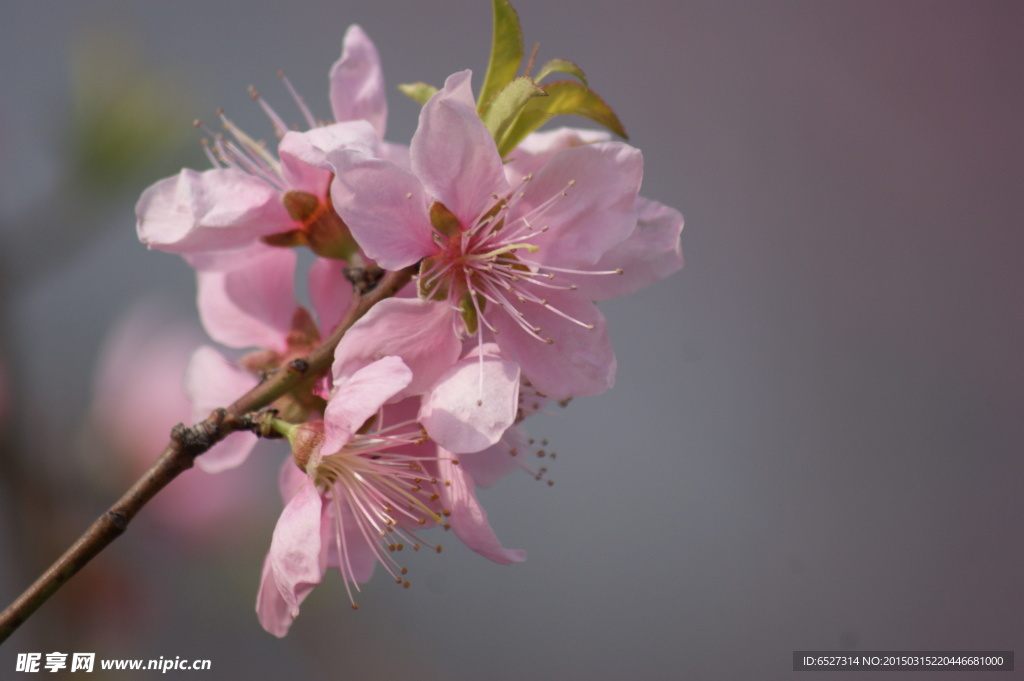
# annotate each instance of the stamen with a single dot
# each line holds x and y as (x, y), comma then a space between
(280, 127)
(310, 121)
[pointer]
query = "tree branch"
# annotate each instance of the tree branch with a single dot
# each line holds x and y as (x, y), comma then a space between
(185, 445)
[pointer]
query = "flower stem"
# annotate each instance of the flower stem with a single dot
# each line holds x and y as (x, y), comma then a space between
(184, 446)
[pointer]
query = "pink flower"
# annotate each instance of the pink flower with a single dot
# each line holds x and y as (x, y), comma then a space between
(506, 254)
(138, 397)
(251, 193)
(359, 492)
(369, 484)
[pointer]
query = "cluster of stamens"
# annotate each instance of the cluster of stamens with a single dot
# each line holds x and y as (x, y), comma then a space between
(490, 263)
(386, 493)
(242, 152)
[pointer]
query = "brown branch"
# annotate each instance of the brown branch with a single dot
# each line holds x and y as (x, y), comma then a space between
(185, 445)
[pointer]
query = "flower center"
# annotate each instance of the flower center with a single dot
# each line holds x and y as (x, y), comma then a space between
(381, 493)
(491, 265)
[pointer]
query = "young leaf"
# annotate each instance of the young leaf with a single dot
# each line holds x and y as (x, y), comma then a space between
(561, 66)
(564, 97)
(506, 53)
(507, 104)
(418, 92)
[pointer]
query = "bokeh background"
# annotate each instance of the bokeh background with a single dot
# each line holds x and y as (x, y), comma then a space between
(815, 440)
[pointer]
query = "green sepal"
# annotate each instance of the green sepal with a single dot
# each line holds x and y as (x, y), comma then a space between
(469, 314)
(290, 239)
(506, 53)
(561, 66)
(419, 92)
(443, 220)
(506, 105)
(564, 97)
(440, 291)
(300, 205)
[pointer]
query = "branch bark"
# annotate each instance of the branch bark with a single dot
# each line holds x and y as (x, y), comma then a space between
(180, 454)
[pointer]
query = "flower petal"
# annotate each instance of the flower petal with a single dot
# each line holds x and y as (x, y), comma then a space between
(359, 396)
(384, 207)
(271, 609)
(649, 254)
(295, 548)
(454, 155)
(252, 305)
(472, 404)
(357, 82)
(330, 291)
(489, 466)
(304, 154)
(215, 209)
(419, 332)
(533, 152)
(586, 196)
(468, 518)
(580, 361)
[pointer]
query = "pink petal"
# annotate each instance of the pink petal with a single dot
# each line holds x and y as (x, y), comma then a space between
(211, 381)
(215, 209)
(598, 209)
(359, 396)
(454, 155)
(396, 153)
(274, 613)
(252, 305)
(295, 548)
(329, 291)
(579, 362)
(384, 207)
(468, 518)
(489, 466)
(304, 154)
(472, 404)
(290, 479)
(357, 82)
(649, 254)
(533, 152)
(228, 259)
(419, 332)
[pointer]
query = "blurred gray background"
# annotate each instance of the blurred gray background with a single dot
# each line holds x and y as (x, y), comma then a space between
(815, 439)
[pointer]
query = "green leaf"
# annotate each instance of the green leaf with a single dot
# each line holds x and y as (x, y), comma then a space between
(561, 66)
(564, 97)
(506, 105)
(418, 92)
(506, 53)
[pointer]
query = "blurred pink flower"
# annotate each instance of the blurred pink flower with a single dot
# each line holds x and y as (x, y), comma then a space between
(138, 397)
